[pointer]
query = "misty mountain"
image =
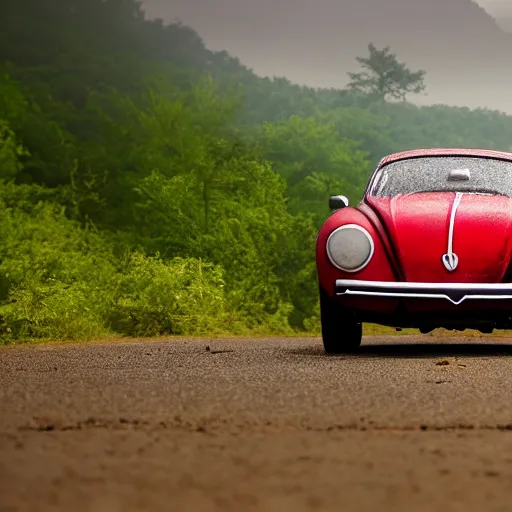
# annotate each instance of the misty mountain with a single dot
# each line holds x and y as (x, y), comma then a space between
(314, 42)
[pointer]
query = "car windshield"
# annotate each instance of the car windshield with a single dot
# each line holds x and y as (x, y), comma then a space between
(444, 174)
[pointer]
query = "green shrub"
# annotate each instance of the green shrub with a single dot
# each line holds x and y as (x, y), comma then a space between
(60, 281)
(180, 296)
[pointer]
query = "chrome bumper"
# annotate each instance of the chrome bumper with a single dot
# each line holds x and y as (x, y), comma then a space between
(456, 293)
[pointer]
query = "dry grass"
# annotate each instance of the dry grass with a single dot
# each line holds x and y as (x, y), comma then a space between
(380, 330)
(368, 330)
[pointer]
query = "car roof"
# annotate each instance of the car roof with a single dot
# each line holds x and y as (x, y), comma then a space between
(419, 153)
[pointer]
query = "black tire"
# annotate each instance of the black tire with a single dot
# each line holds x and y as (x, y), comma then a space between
(341, 334)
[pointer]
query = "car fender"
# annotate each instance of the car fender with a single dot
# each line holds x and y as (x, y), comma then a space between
(378, 269)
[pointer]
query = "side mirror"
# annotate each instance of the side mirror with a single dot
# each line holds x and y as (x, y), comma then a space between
(338, 202)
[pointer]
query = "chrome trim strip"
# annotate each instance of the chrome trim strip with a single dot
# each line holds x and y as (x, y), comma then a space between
(450, 259)
(456, 293)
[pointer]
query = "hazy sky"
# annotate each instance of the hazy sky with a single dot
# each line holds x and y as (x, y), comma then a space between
(185, 7)
(315, 42)
(497, 7)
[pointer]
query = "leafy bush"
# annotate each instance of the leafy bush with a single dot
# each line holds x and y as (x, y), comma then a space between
(180, 296)
(60, 281)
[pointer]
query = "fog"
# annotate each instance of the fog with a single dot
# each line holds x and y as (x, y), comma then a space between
(314, 42)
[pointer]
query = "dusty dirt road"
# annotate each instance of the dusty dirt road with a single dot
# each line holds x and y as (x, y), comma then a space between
(257, 425)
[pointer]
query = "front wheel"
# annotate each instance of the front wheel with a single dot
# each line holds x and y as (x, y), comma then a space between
(340, 333)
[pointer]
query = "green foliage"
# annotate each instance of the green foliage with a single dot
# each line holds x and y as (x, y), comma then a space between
(10, 152)
(149, 186)
(51, 274)
(385, 76)
(180, 296)
(59, 281)
(315, 161)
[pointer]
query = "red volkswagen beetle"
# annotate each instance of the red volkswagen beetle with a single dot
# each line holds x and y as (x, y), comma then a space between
(429, 246)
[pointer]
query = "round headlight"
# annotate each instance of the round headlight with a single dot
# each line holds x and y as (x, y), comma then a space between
(350, 248)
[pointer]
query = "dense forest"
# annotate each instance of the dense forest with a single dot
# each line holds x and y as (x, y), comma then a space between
(150, 186)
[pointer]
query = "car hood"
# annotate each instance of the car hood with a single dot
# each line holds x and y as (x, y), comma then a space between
(418, 226)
